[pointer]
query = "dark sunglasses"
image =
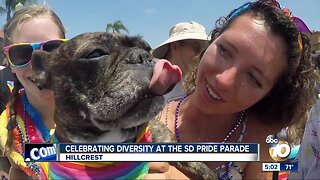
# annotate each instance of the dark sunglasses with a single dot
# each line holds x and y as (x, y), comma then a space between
(19, 54)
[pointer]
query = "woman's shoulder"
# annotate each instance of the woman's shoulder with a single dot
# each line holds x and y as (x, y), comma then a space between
(257, 130)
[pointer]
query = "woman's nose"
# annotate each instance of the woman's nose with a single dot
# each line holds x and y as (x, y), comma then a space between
(226, 80)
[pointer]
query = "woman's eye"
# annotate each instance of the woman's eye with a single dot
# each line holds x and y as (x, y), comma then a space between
(222, 50)
(95, 54)
(254, 80)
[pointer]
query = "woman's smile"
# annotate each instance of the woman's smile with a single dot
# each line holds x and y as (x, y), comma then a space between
(213, 94)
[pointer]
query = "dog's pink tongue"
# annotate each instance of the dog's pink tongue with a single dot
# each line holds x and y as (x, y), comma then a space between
(164, 75)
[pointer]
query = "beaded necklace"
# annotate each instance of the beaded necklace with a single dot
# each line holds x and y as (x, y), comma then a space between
(167, 113)
(241, 118)
(36, 120)
(25, 134)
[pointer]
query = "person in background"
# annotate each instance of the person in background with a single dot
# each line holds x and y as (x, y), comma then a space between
(186, 40)
(254, 79)
(309, 152)
(28, 117)
(6, 76)
(308, 157)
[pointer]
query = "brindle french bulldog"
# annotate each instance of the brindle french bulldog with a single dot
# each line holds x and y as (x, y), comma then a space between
(108, 88)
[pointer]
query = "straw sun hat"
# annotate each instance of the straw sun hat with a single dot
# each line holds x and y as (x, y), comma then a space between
(181, 31)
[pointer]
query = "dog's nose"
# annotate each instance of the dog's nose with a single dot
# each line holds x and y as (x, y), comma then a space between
(139, 56)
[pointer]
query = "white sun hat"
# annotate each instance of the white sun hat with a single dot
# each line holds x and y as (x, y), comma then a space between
(181, 31)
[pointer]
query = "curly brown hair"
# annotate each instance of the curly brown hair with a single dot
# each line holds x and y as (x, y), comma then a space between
(294, 93)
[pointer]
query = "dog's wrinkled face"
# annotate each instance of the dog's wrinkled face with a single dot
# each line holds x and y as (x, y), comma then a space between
(101, 86)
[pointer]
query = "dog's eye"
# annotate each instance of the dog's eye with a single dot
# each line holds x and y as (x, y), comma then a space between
(95, 54)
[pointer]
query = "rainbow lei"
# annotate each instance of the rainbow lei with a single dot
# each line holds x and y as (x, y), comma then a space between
(28, 129)
(102, 170)
(24, 131)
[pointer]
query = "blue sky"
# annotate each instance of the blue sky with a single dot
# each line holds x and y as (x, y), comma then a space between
(153, 18)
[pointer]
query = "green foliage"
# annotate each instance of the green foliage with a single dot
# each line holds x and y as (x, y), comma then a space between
(9, 6)
(117, 26)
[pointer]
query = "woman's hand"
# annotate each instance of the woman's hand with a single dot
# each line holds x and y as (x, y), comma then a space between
(162, 170)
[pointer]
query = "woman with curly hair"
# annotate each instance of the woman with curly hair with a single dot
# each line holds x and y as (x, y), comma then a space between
(254, 79)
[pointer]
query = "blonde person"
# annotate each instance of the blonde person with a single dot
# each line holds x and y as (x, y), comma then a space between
(29, 114)
(186, 39)
(254, 79)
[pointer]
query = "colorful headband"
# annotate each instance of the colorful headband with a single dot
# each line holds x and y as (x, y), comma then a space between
(301, 26)
(239, 10)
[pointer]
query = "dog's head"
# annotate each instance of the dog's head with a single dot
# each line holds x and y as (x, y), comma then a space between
(106, 86)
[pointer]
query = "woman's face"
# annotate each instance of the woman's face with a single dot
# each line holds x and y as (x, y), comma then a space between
(37, 29)
(187, 50)
(240, 67)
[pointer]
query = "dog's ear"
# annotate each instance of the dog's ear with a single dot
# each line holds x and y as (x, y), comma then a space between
(40, 68)
(139, 42)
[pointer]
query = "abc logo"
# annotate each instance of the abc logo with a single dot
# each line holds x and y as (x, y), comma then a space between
(279, 150)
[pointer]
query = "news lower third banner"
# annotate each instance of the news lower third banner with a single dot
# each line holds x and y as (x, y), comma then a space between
(143, 152)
